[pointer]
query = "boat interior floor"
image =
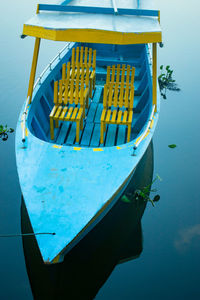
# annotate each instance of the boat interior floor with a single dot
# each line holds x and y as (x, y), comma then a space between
(115, 135)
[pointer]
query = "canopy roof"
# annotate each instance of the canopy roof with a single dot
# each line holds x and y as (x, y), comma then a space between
(106, 21)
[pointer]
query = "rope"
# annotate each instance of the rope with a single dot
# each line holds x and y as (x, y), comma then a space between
(26, 234)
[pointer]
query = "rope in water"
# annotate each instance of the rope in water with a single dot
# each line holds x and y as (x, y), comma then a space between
(25, 234)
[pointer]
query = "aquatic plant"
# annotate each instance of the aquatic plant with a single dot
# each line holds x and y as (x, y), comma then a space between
(166, 81)
(172, 146)
(143, 194)
(4, 130)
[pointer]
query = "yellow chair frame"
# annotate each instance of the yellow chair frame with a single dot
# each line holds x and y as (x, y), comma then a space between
(69, 103)
(118, 99)
(86, 56)
(121, 74)
(74, 73)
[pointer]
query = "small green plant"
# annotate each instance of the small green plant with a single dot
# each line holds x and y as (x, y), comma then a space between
(166, 82)
(143, 194)
(4, 130)
(172, 146)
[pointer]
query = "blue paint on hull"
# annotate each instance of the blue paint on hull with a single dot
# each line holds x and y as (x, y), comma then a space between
(66, 189)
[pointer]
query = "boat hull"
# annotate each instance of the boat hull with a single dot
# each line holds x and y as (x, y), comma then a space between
(68, 189)
(115, 239)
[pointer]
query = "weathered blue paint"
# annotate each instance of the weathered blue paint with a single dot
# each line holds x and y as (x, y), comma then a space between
(98, 10)
(68, 188)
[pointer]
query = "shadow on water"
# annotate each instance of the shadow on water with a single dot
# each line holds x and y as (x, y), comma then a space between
(116, 239)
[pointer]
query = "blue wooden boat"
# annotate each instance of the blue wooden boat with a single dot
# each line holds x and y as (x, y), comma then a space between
(76, 151)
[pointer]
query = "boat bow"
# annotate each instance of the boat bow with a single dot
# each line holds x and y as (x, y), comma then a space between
(68, 188)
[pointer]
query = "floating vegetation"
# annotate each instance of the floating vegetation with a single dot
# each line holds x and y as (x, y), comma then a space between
(172, 146)
(166, 81)
(143, 194)
(4, 130)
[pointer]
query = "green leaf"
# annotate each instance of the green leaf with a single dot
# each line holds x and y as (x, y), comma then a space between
(125, 199)
(172, 146)
(161, 67)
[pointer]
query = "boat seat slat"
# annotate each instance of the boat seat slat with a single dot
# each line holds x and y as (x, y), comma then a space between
(63, 133)
(111, 135)
(91, 112)
(121, 135)
(95, 136)
(87, 134)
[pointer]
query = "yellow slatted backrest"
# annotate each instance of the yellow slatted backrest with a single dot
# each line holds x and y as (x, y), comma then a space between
(110, 95)
(94, 59)
(90, 58)
(108, 75)
(67, 88)
(84, 56)
(112, 74)
(81, 56)
(131, 97)
(73, 92)
(77, 55)
(120, 74)
(123, 74)
(69, 70)
(64, 71)
(71, 89)
(55, 94)
(74, 72)
(105, 96)
(117, 73)
(73, 56)
(60, 96)
(118, 95)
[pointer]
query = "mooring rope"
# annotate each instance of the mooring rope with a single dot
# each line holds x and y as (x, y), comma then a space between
(26, 234)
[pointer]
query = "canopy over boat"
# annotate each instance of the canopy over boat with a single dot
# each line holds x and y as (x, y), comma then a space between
(106, 21)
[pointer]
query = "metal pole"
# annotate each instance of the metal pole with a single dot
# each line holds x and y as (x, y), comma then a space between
(114, 6)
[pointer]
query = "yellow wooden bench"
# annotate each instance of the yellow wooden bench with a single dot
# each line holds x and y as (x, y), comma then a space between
(86, 56)
(118, 100)
(69, 103)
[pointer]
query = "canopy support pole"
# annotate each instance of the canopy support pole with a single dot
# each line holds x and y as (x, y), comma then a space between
(154, 56)
(33, 69)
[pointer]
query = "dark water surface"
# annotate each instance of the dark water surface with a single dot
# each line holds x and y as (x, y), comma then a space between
(169, 264)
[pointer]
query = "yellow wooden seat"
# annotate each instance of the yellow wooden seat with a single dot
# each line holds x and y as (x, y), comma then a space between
(86, 56)
(69, 104)
(118, 102)
(74, 73)
(120, 73)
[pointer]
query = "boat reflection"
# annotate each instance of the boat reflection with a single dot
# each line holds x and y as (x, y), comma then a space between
(117, 238)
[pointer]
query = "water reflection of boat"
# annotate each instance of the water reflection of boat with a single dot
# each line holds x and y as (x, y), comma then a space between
(70, 178)
(117, 238)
